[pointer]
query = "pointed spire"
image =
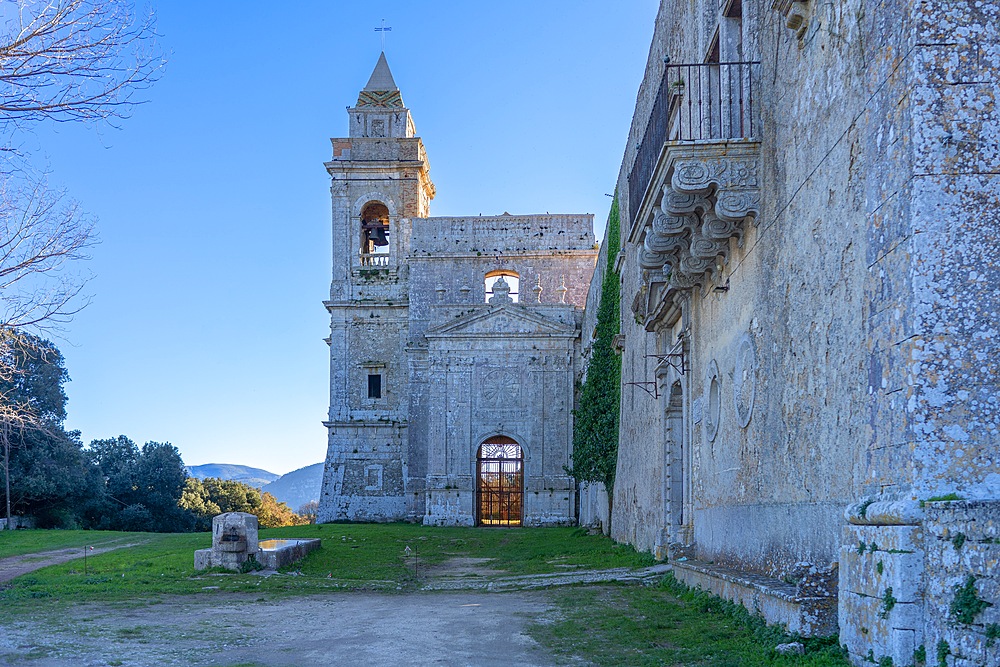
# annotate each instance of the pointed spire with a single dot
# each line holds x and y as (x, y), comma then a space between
(381, 79)
(381, 90)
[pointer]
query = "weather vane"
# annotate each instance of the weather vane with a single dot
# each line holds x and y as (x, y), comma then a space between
(382, 31)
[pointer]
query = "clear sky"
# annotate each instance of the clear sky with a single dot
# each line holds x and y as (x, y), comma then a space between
(206, 324)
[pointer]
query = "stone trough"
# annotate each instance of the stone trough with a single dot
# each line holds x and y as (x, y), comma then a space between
(278, 553)
(234, 542)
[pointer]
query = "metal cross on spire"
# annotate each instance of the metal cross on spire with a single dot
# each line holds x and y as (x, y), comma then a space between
(383, 30)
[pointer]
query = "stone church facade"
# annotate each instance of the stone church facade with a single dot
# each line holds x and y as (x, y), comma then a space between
(810, 201)
(454, 341)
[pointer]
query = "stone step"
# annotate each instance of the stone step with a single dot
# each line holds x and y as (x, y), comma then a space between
(775, 600)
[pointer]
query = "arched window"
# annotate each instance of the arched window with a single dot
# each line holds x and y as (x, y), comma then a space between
(500, 482)
(375, 234)
(510, 277)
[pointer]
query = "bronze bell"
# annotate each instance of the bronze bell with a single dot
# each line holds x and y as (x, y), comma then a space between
(377, 236)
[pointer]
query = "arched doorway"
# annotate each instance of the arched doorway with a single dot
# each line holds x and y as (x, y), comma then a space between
(499, 482)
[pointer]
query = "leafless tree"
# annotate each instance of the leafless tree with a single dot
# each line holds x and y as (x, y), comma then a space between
(60, 60)
(41, 234)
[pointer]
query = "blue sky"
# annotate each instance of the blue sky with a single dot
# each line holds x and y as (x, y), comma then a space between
(206, 324)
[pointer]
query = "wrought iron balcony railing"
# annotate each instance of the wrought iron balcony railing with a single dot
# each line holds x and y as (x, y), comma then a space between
(698, 102)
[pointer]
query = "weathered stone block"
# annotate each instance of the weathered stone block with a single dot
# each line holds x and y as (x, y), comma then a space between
(234, 541)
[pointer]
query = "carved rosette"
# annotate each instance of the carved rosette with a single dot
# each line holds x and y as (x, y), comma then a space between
(713, 191)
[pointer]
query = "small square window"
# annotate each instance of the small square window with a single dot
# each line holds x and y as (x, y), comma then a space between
(374, 385)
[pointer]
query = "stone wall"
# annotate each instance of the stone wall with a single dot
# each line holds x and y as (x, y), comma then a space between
(363, 479)
(950, 361)
(962, 591)
(18, 522)
(792, 291)
(921, 585)
(842, 352)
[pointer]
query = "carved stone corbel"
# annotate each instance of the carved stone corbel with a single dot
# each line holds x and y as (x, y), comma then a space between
(795, 13)
(712, 192)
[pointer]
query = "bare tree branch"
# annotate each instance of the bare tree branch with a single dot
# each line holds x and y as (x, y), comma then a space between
(41, 233)
(74, 59)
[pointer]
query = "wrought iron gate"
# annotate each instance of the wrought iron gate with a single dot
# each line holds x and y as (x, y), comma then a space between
(500, 483)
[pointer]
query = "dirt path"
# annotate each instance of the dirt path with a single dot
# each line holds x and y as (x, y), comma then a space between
(220, 630)
(15, 566)
(465, 615)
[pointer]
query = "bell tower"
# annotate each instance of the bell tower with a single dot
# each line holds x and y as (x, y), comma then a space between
(380, 179)
(379, 182)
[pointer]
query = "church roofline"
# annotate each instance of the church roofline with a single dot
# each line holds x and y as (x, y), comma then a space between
(510, 216)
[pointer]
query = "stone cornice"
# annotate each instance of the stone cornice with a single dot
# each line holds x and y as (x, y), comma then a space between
(477, 324)
(509, 255)
(355, 304)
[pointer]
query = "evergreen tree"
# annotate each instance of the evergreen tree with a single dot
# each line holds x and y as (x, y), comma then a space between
(144, 486)
(44, 468)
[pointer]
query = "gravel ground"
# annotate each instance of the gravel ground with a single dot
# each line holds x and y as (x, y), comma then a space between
(446, 628)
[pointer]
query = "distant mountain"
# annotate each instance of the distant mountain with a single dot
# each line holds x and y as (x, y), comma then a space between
(298, 487)
(252, 476)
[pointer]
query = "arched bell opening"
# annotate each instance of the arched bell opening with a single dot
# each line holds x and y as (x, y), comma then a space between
(500, 483)
(375, 234)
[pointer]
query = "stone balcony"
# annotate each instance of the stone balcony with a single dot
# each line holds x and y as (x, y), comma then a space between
(694, 185)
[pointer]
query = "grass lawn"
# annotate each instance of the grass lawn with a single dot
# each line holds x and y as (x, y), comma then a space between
(669, 624)
(17, 542)
(606, 624)
(352, 556)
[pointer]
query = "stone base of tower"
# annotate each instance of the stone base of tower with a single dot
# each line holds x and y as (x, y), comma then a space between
(363, 476)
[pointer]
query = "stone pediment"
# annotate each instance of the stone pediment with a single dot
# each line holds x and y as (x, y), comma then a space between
(503, 321)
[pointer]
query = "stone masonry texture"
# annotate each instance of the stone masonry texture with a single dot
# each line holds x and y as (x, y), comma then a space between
(816, 297)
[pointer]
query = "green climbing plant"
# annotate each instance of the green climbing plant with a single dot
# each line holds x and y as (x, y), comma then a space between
(595, 428)
(967, 604)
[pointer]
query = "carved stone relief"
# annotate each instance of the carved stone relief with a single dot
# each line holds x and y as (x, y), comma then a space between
(710, 197)
(501, 387)
(744, 379)
(796, 13)
(713, 401)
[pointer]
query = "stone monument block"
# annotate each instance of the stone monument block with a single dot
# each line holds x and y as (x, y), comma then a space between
(234, 541)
